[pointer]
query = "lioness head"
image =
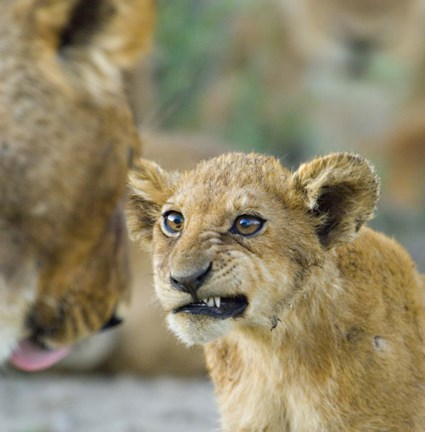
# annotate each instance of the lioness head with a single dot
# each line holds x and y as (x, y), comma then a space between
(67, 139)
(234, 238)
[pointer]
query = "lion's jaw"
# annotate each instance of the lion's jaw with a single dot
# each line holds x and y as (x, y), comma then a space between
(230, 300)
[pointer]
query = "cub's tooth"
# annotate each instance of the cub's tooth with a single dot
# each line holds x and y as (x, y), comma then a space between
(210, 302)
(217, 301)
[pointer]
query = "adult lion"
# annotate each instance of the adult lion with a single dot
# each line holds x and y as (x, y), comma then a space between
(66, 142)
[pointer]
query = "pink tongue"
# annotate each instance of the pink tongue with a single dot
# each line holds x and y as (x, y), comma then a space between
(30, 358)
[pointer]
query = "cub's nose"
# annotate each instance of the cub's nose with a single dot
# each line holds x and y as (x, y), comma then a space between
(192, 282)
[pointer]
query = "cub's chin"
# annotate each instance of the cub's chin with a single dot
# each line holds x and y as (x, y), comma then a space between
(197, 329)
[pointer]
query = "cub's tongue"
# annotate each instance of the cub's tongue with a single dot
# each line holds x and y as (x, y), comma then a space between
(30, 357)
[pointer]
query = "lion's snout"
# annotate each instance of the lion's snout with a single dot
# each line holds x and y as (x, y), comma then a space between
(190, 283)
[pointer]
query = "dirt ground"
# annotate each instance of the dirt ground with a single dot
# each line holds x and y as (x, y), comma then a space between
(87, 403)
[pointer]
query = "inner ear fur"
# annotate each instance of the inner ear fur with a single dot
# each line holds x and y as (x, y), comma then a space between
(340, 191)
(149, 187)
(119, 29)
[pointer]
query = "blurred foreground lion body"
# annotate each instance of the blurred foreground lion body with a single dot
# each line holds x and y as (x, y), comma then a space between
(66, 141)
(310, 321)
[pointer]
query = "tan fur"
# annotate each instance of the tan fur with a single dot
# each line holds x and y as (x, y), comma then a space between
(406, 160)
(66, 141)
(332, 338)
(143, 344)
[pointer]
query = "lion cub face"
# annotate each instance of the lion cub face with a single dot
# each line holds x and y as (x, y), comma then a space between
(233, 239)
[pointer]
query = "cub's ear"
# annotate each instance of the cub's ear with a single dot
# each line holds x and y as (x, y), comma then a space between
(341, 191)
(148, 189)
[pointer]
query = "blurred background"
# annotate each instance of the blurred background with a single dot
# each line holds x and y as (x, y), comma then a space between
(297, 78)
(294, 78)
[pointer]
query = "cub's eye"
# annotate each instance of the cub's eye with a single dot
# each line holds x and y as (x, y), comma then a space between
(247, 225)
(173, 222)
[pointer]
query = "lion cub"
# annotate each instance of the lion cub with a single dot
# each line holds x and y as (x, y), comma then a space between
(311, 322)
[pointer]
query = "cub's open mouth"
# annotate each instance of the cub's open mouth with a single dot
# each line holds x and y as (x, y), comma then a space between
(216, 307)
